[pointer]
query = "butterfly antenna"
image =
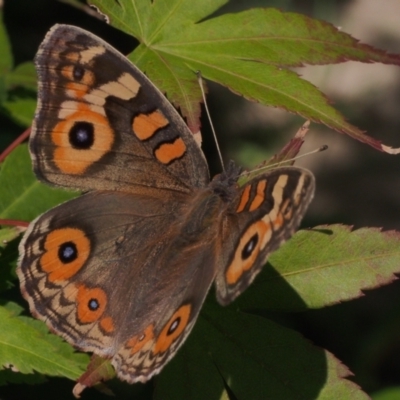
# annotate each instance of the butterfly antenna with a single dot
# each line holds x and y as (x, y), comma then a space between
(269, 166)
(200, 80)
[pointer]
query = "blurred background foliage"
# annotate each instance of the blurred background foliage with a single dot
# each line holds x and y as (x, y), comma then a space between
(356, 185)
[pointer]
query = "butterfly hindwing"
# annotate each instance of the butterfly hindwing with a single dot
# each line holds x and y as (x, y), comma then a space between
(108, 280)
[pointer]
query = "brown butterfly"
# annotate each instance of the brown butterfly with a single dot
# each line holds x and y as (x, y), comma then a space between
(123, 270)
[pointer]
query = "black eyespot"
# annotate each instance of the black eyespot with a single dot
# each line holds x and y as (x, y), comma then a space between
(174, 326)
(93, 304)
(78, 72)
(67, 252)
(81, 135)
(249, 247)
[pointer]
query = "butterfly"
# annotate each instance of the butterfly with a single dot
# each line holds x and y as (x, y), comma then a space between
(123, 270)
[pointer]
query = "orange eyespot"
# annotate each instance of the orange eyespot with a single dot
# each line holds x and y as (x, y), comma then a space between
(173, 329)
(91, 303)
(66, 252)
(252, 241)
(81, 139)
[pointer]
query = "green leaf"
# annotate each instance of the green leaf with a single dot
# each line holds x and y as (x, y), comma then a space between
(247, 52)
(24, 75)
(21, 109)
(23, 197)
(19, 103)
(6, 59)
(323, 266)
(9, 376)
(392, 393)
(26, 346)
(255, 358)
(150, 21)
(283, 39)
(8, 256)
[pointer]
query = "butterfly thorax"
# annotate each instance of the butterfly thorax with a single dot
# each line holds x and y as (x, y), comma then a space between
(225, 184)
(209, 203)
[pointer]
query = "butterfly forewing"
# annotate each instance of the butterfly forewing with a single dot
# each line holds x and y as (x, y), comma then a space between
(101, 124)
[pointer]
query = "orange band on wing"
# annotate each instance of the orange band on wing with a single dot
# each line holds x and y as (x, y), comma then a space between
(260, 195)
(168, 152)
(73, 57)
(244, 198)
(173, 329)
(76, 89)
(146, 125)
(57, 268)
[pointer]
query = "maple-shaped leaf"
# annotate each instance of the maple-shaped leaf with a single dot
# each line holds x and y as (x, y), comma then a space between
(26, 346)
(251, 357)
(249, 52)
(323, 266)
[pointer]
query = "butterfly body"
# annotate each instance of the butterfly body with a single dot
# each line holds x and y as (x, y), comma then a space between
(124, 269)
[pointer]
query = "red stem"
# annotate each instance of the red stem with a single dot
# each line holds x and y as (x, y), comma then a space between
(14, 144)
